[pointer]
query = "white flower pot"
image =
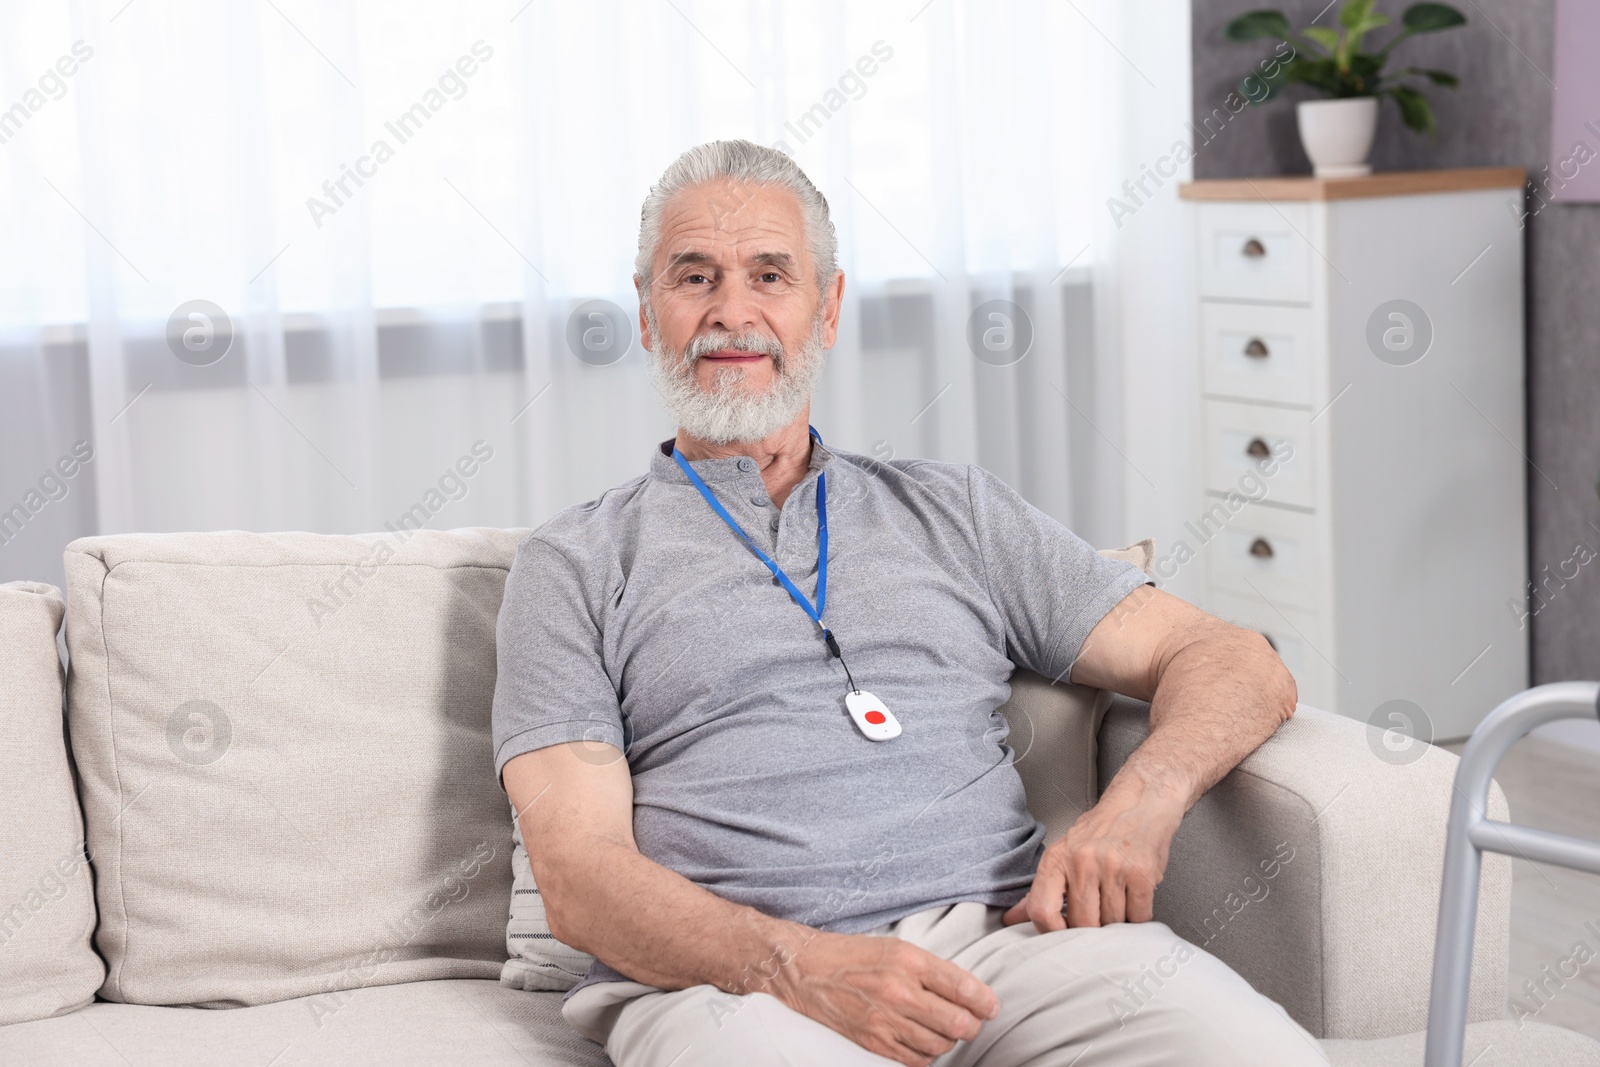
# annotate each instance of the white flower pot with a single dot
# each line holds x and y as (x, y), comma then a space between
(1337, 134)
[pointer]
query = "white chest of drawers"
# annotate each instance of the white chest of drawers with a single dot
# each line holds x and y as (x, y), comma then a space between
(1361, 458)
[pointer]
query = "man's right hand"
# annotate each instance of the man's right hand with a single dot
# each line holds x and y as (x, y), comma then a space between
(575, 803)
(885, 994)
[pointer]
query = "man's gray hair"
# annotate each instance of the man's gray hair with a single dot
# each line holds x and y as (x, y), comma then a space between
(743, 163)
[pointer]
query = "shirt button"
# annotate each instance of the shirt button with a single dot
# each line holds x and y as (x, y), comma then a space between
(758, 501)
(774, 525)
(747, 464)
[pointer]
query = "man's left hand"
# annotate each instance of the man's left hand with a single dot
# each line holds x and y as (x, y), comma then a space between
(1105, 869)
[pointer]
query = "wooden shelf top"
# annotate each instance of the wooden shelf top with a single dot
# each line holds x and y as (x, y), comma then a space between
(1382, 183)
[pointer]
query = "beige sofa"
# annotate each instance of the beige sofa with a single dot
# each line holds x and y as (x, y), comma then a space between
(270, 832)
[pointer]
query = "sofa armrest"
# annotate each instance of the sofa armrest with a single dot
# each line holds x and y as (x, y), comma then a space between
(1313, 870)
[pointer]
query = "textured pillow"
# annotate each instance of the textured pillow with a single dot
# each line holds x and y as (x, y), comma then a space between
(538, 962)
(1141, 554)
(47, 963)
(1053, 735)
(287, 771)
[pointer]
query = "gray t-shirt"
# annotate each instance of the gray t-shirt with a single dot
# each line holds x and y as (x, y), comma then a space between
(641, 620)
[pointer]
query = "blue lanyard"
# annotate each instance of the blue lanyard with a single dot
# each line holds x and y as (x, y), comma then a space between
(777, 572)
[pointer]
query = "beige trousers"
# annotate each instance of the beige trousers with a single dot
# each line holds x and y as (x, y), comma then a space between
(1124, 994)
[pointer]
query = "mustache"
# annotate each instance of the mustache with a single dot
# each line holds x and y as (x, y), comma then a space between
(720, 340)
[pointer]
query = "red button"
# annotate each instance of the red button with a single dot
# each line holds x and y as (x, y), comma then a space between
(874, 717)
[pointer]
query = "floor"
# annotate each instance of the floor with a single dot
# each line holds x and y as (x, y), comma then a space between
(1555, 912)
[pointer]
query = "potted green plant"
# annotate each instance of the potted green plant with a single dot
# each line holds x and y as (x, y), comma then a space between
(1337, 132)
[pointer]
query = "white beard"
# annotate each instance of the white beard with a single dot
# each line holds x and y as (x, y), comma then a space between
(724, 411)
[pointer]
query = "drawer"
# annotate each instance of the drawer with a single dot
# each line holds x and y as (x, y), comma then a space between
(1255, 251)
(1257, 352)
(1299, 637)
(1260, 452)
(1258, 550)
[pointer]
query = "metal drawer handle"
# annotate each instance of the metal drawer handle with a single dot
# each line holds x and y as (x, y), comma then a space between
(1256, 349)
(1258, 448)
(1254, 248)
(1260, 549)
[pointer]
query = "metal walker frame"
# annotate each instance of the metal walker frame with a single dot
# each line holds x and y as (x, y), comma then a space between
(1472, 832)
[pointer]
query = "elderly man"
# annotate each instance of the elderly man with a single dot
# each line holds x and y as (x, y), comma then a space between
(746, 709)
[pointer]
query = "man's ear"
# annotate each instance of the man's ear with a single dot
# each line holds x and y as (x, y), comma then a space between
(832, 301)
(644, 324)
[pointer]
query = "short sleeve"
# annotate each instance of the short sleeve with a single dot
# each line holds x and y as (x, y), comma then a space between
(550, 680)
(1050, 587)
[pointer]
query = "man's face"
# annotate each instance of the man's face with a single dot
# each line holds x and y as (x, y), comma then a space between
(732, 260)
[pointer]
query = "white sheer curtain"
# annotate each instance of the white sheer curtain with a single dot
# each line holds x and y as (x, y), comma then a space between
(397, 209)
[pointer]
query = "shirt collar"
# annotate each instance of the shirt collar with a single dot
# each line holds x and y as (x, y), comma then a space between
(664, 468)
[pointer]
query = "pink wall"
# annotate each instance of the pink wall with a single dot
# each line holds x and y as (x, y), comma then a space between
(1575, 103)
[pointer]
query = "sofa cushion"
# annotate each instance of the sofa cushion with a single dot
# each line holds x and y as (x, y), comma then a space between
(47, 963)
(472, 1021)
(1497, 1043)
(285, 756)
(417, 1024)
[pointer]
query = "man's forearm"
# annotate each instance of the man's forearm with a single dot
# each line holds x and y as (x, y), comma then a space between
(1216, 700)
(1216, 692)
(657, 927)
